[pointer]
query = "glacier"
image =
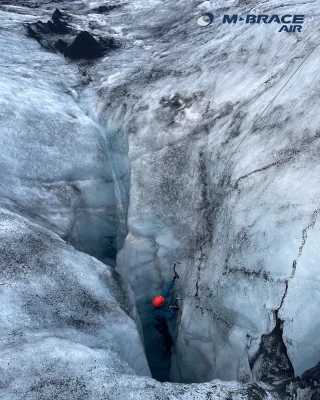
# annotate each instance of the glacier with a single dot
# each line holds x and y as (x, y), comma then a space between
(56, 166)
(187, 143)
(227, 189)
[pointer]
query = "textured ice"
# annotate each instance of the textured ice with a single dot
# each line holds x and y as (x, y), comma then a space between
(231, 195)
(63, 313)
(55, 163)
(233, 192)
(67, 329)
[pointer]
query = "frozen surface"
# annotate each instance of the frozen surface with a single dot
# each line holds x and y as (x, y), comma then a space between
(224, 191)
(63, 313)
(224, 158)
(66, 327)
(55, 161)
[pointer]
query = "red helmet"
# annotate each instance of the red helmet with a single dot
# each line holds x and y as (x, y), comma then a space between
(158, 301)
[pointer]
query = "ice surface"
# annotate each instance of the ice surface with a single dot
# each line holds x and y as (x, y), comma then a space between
(60, 305)
(67, 331)
(301, 332)
(231, 195)
(55, 165)
(66, 326)
(231, 191)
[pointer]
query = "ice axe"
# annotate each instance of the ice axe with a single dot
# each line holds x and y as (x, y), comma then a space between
(175, 282)
(175, 303)
(174, 267)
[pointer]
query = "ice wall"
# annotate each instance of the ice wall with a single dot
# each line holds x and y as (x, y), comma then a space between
(224, 171)
(63, 314)
(57, 168)
(68, 328)
(224, 177)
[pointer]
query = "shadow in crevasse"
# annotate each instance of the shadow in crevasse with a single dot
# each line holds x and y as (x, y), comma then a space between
(159, 363)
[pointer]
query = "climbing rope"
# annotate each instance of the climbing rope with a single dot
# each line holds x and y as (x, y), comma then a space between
(265, 109)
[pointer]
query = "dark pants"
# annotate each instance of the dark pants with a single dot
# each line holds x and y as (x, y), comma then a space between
(164, 330)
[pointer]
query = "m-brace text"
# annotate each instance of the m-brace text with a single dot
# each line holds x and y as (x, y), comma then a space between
(292, 22)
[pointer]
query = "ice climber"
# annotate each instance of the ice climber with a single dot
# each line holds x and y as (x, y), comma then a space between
(162, 313)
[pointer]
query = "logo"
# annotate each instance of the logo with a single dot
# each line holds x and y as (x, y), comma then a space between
(205, 19)
(290, 23)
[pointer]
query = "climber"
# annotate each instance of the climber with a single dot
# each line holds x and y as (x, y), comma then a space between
(162, 313)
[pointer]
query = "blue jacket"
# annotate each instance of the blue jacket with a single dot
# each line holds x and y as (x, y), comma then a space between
(162, 314)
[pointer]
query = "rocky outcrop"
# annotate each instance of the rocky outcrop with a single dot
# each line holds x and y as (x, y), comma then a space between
(57, 34)
(83, 46)
(106, 8)
(86, 47)
(46, 32)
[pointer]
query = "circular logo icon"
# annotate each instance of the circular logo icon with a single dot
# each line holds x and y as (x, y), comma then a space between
(205, 19)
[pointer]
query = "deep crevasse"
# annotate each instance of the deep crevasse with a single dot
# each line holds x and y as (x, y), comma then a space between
(236, 224)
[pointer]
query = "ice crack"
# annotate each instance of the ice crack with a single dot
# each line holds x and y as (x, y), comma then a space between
(294, 264)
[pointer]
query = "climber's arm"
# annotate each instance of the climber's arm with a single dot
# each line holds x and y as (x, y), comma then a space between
(166, 291)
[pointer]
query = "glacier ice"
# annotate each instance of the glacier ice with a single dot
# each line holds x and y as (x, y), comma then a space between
(55, 167)
(57, 303)
(69, 326)
(220, 155)
(224, 168)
